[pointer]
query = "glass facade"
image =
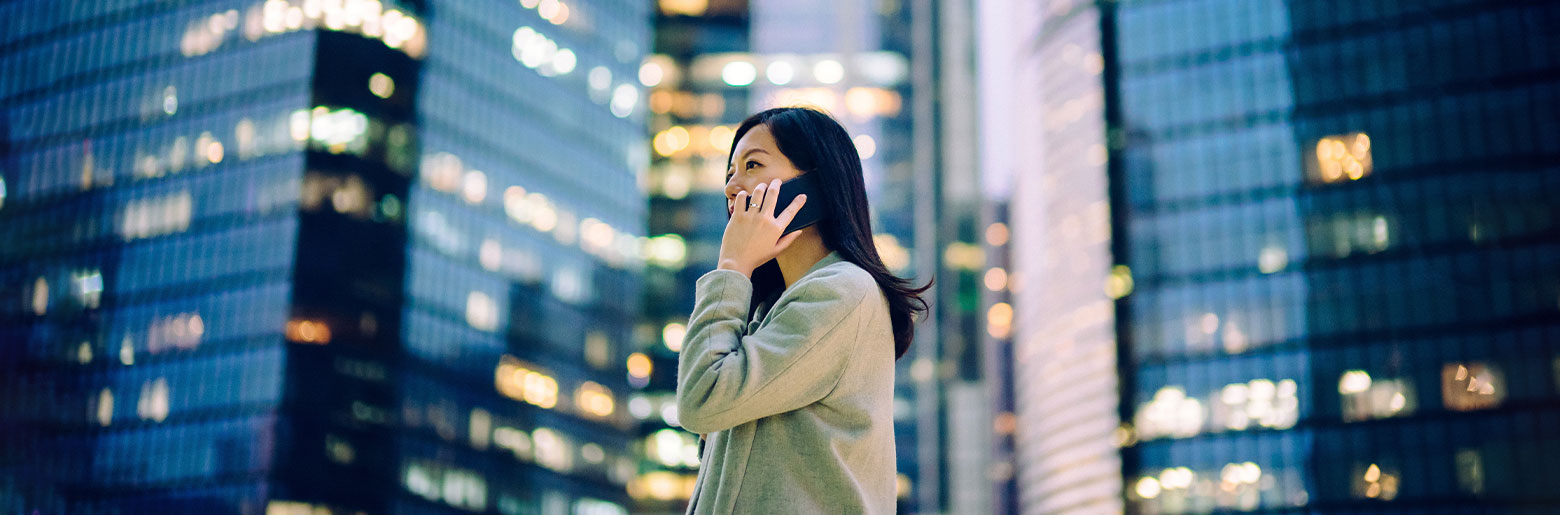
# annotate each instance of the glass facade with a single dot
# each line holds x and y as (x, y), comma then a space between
(1338, 221)
(286, 255)
(693, 117)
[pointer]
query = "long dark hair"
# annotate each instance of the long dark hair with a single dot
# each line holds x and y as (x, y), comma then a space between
(816, 143)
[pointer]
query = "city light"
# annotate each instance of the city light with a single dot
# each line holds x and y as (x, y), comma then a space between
(381, 85)
(522, 381)
(638, 365)
(1469, 386)
(738, 73)
(672, 336)
(828, 71)
(307, 331)
(594, 399)
(779, 73)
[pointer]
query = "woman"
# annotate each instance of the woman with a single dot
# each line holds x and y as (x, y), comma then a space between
(787, 368)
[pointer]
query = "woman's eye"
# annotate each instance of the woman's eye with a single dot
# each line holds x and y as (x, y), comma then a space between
(751, 164)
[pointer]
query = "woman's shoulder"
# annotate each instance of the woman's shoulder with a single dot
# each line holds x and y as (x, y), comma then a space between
(841, 280)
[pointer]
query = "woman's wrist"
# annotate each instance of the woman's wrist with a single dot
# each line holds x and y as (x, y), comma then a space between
(731, 264)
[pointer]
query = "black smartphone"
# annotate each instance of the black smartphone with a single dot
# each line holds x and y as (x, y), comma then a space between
(811, 212)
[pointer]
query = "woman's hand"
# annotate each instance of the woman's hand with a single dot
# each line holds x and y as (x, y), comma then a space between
(753, 235)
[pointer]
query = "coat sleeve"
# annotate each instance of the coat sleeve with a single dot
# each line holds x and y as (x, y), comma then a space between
(725, 378)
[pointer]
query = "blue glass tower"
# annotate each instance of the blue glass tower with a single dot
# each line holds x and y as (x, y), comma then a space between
(1338, 218)
(286, 255)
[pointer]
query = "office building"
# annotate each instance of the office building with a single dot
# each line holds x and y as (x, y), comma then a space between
(293, 255)
(1331, 248)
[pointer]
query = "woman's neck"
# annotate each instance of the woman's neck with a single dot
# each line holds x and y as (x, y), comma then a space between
(801, 255)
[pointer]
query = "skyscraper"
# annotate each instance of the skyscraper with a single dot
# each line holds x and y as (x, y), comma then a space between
(285, 255)
(1332, 238)
(1046, 131)
(694, 113)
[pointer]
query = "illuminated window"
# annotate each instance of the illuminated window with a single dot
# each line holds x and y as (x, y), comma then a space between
(1259, 402)
(594, 399)
(523, 382)
(999, 320)
(1373, 481)
(638, 365)
(182, 331)
(553, 450)
(1169, 413)
(684, 7)
(829, 71)
(1339, 158)
(1365, 398)
(381, 85)
(480, 428)
(738, 73)
(672, 336)
(481, 311)
(1472, 386)
(153, 402)
(308, 331)
(996, 279)
(105, 407)
(157, 216)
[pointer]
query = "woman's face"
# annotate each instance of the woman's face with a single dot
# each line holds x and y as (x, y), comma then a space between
(756, 160)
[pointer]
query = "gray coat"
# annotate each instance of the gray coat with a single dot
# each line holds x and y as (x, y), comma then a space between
(797, 404)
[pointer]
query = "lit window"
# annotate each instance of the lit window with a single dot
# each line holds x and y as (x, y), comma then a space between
(481, 311)
(1472, 386)
(738, 73)
(105, 407)
(40, 296)
(866, 147)
(624, 98)
(594, 399)
(672, 336)
(480, 428)
(650, 74)
(996, 279)
(1260, 401)
(780, 73)
(553, 450)
(474, 187)
(684, 7)
(999, 320)
(182, 331)
(667, 251)
(381, 85)
(523, 382)
(1343, 157)
(1365, 398)
(639, 365)
(1375, 482)
(153, 403)
(147, 218)
(308, 331)
(1170, 413)
(829, 71)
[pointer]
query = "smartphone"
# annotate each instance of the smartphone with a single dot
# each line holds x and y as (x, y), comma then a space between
(811, 212)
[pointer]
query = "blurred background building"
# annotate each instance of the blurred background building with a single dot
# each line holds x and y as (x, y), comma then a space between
(693, 117)
(285, 256)
(1328, 230)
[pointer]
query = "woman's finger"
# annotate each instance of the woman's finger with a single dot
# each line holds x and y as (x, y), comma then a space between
(771, 197)
(758, 198)
(790, 211)
(741, 203)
